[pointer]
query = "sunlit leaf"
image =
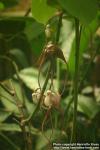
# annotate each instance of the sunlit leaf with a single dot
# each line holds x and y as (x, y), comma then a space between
(88, 106)
(13, 127)
(29, 77)
(41, 11)
(85, 11)
(8, 101)
(10, 127)
(42, 141)
(85, 37)
(4, 115)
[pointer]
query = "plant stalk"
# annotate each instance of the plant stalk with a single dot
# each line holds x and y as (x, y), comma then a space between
(56, 41)
(75, 82)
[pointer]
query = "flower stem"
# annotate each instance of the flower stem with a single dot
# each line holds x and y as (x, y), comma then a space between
(57, 41)
(75, 82)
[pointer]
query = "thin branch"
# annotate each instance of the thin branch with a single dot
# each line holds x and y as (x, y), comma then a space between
(57, 40)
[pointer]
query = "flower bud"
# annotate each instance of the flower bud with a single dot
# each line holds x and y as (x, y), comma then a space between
(48, 31)
(52, 99)
(47, 100)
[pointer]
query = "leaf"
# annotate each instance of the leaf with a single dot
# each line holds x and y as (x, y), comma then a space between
(9, 127)
(4, 115)
(9, 3)
(53, 3)
(85, 11)
(85, 37)
(19, 57)
(37, 44)
(42, 141)
(67, 37)
(29, 77)
(1, 6)
(88, 106)
(36, 37)
(12, 25)
(8, 101)
(41, 11)
(87, 90)
(13, 127)
(33, 26)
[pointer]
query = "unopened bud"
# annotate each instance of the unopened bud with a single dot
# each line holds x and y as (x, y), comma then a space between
(52, 99)
(48, 31)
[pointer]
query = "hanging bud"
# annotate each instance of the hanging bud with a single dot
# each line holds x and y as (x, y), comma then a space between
(47, 100)
(52, 99)
(54, 50)
(56, 99)
(36, 96)
(48, 31)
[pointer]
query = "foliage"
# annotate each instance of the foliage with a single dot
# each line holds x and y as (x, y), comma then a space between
(30, 60)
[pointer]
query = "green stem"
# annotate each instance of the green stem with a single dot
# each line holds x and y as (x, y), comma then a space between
(59, 28)
(58, 75)
(75, 82)
(58, 62)
(57, 40)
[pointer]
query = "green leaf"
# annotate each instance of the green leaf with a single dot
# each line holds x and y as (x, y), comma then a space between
(33, 26)
(30, 77)
(53, 3)
(12, 25)
(9, 3)
(42, 141)
(4, 115)
(67, 36)
(10, 127)
(41, 11)
(13, 127)
(8, 101)
(85, 37)
(36, 38)
(85, 11)
(19, 57)
(1, 6)
(88, 106)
